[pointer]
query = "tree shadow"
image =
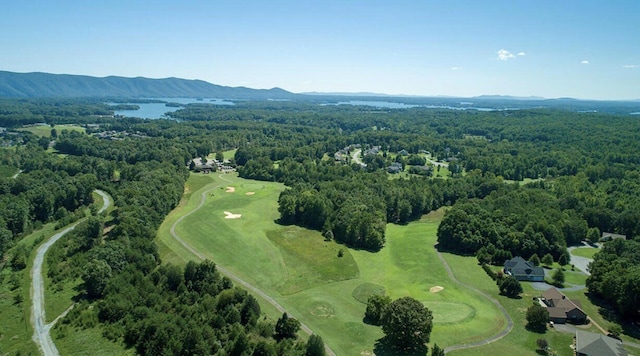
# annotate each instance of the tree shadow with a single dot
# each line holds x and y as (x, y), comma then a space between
(384, 347)
(604, 308)
(538, 330)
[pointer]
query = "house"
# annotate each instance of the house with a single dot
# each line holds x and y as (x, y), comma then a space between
(590, 344)
(608, 236)
(394, 168)
(562, 309)
(403, 152)
(523, 270)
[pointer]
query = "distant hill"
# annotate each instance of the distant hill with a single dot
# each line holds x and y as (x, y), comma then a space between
(30, 85)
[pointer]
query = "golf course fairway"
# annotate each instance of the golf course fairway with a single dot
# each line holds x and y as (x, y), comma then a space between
(237, 229)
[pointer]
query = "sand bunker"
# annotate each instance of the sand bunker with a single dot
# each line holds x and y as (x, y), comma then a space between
(228, 215)
(230, 189)
(435, 289)
(251, 193)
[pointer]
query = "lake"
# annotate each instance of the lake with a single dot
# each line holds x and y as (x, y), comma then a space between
(398, 105)
(159, 110)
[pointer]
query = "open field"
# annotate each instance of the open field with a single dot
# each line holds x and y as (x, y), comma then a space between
(305, 275)
(45, 131)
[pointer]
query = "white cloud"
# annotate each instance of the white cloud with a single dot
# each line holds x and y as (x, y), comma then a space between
(631, 66)
(521, 54)
(456, 68)
(584, 62)
(505, 55)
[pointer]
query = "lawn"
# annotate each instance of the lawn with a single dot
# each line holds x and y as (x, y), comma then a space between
(303, 272)
(45, 130)
(587, 252)
(519, 341)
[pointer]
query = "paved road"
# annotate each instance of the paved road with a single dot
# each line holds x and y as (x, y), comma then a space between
(581, 263)
(488, 297)
(41, 335)
(356, 157)
(230, 274)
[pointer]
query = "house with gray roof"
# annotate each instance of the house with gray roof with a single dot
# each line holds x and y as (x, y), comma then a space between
(590, 344)
(523, 270)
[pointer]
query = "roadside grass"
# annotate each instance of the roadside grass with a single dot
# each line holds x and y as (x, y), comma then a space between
(15, 328)
(71, 340)
(575, 277)
(45, 131)
(587, 252)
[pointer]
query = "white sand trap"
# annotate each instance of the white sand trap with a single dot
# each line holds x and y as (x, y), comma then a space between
(251, 193)
(230, 189)
(228, 215)
(435, 289)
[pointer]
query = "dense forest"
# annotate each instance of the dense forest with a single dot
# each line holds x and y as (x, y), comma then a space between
(520, 182)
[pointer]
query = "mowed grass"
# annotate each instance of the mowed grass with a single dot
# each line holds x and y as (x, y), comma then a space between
(45, 131)
(587, 252)
(303, 272)
(519, 341)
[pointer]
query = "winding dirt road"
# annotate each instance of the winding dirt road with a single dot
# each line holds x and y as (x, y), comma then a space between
(41, 335)
(228, 273)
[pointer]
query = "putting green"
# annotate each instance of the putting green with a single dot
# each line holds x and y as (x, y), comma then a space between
(450, 312)
(365, 290)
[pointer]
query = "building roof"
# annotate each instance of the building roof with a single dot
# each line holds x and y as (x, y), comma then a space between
(612, 236)
(517, 266)
(598, 345)
(559, 305)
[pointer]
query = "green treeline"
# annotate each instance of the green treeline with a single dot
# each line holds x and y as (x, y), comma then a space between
(615, 276)
(584, 166)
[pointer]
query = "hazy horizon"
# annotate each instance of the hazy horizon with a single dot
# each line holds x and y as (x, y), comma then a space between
(577, 49)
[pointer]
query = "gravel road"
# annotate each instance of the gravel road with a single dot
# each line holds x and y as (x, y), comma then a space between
(41, 335)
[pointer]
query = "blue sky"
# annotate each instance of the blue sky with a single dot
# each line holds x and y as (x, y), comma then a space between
(582, 49)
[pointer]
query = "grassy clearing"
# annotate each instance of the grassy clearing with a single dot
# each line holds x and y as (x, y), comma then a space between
(77, 341)
(587, 252)
(45, 131)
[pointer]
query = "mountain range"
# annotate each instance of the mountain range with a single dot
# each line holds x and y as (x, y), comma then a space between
(30, 85)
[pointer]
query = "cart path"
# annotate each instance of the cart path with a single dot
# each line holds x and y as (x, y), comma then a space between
(41, 335)
(228, 273)
(506, 315)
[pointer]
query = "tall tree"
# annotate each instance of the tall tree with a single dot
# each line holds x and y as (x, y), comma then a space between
(407, 323)
(537, 317)
(315, 346)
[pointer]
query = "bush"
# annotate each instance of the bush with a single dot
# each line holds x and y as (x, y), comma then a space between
(489, 271)
(509, 287)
